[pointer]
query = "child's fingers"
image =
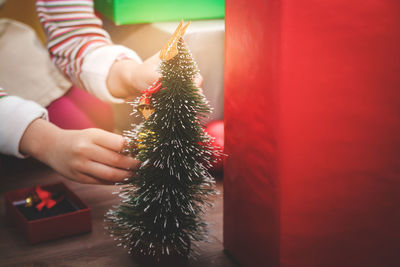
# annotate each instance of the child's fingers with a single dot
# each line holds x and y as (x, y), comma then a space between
(86, 179)
(112, 158)
(104, 172)
(108, 140)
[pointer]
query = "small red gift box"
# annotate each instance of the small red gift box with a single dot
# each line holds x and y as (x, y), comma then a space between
(52, 227)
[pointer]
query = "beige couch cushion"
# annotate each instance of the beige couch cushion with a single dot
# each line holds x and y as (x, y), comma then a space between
(25, 67)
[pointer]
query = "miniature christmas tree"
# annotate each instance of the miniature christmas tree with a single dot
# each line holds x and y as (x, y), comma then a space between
(162, 207)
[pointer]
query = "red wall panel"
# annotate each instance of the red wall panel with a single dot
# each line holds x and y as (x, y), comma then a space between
(312, 113)
(340, 133)
(251, 203)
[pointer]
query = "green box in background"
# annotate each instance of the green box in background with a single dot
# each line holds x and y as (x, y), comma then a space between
(146, 11)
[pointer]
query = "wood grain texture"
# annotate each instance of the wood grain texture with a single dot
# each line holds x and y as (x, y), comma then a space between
(93, 249)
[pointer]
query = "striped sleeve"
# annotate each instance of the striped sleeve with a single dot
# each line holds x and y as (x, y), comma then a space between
(72, 32)
(79, 46)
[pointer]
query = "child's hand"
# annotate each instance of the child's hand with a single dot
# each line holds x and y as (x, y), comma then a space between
(86, 156)
(127, 78)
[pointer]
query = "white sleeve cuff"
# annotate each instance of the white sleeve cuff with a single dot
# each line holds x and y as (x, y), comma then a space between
(96, 66)
(16, 114)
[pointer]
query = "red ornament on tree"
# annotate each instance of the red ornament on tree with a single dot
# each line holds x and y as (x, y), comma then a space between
(145, 106)
(216, 130)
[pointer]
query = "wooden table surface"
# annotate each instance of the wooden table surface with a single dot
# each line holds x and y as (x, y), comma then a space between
(96, 248)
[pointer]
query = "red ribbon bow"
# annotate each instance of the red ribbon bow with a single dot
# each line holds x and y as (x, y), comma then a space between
(45, 198)
(151, 90)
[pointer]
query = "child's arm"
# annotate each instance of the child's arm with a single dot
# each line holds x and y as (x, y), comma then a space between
(15, 116)
(86, 156)
(84, 52)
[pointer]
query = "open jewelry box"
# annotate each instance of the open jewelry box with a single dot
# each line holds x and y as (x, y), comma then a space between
(69, 215)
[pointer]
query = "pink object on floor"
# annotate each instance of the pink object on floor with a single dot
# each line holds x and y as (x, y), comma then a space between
(77, 109)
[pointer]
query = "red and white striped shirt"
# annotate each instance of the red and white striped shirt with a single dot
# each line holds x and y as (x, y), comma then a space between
(79, 46)
(72, 32)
